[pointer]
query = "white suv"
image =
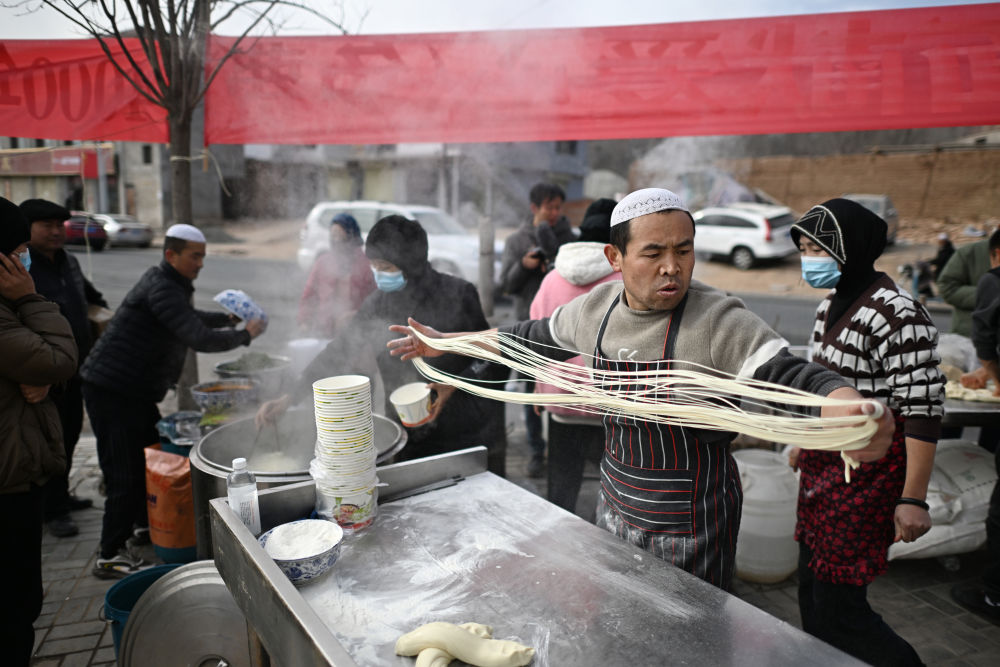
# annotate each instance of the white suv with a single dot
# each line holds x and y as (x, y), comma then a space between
(450, 248)
(745, 232)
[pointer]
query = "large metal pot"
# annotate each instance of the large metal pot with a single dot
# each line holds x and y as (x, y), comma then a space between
(293, 437)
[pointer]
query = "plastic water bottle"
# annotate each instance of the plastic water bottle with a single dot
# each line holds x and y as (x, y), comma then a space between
(241, 488)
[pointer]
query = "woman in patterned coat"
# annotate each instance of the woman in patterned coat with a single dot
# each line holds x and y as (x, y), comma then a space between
(882, 341)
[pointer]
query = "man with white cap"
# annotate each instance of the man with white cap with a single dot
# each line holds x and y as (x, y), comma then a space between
(135, 361)
(673, 491)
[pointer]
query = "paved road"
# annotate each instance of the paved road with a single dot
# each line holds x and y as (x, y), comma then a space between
(276, 286)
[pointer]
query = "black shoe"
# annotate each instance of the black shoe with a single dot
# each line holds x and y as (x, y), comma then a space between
(119, 566)
(973, 597)
(62, 526)
(78, 503)
(140, 537)
(536, 467)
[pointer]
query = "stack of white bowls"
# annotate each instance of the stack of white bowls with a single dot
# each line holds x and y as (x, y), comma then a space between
(344, 467)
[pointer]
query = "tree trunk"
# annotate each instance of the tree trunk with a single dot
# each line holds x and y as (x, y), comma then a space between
(182, 210)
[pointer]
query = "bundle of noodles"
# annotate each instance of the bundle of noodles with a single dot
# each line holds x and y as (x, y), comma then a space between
(680, 394)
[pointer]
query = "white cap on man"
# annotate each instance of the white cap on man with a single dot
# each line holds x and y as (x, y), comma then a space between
(185, 232)
(646, 201)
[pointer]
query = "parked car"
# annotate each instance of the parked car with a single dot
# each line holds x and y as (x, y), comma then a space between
(450, 248)
(882, 206)
(85, 229)
(125, 230)
(745, 232)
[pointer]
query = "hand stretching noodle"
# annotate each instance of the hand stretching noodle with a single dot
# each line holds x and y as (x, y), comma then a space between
(465, 646)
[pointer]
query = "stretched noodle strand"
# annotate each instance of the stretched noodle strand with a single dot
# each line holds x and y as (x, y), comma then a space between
(678, 393)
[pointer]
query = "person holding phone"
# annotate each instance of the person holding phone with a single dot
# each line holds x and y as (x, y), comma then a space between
(526, 254)
(37, 350)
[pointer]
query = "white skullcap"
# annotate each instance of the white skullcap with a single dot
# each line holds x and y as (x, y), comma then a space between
(942, 237)
(644, 202)
(186, 232)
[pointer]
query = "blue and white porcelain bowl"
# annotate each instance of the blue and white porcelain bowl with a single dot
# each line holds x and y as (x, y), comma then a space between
(239, 304)
(230, 395)
(304, 550)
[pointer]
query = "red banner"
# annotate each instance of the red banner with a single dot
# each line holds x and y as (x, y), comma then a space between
(937, 66)
(52, 89)
(906, 68)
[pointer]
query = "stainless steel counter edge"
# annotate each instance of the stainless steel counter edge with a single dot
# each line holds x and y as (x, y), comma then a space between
(287, 626)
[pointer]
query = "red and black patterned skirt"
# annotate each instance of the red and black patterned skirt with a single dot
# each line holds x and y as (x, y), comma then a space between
(849, 527)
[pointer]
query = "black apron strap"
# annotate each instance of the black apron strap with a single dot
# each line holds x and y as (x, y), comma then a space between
(604, 325)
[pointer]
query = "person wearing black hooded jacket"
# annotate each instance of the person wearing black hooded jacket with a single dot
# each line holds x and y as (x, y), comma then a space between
(880, 339)
(407, 286)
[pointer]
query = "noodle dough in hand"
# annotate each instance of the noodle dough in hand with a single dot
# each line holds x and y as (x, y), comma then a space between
(464, 645)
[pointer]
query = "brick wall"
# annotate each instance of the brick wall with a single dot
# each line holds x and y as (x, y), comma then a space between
(957, 184)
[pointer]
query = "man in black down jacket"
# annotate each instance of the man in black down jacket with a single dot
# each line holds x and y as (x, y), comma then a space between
(409, 287)
(58, 277)
(128, 372)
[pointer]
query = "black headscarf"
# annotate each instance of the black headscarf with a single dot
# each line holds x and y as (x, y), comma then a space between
(14, 227)
(401, 241)
(855, 237)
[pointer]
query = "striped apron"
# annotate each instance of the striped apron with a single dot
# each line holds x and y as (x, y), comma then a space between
(663, 488)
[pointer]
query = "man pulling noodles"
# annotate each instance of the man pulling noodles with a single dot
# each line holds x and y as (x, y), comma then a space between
(673, 490)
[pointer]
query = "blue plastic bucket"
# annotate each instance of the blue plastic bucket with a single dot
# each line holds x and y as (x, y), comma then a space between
(177, 555)
(122, 597)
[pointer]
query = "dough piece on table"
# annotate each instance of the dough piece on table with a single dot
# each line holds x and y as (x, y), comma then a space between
(958, 392)
(435, 657)
(465, 646)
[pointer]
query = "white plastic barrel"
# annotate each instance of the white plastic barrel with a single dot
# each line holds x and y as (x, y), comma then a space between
(766, 551)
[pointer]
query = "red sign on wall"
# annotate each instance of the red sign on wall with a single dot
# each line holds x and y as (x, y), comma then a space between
(56, 161)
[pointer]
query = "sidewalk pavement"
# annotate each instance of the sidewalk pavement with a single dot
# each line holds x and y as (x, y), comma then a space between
(913, 597)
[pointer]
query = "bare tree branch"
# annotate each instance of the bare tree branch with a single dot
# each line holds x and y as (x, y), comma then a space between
(148, 47)
(232, 50)
(150, 92)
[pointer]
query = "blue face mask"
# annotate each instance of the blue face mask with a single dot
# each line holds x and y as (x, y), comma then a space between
(820, 271)
(389, 281)
(25, 258)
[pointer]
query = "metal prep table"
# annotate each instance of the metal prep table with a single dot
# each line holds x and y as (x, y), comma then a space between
(970, 413)
(486, 550)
